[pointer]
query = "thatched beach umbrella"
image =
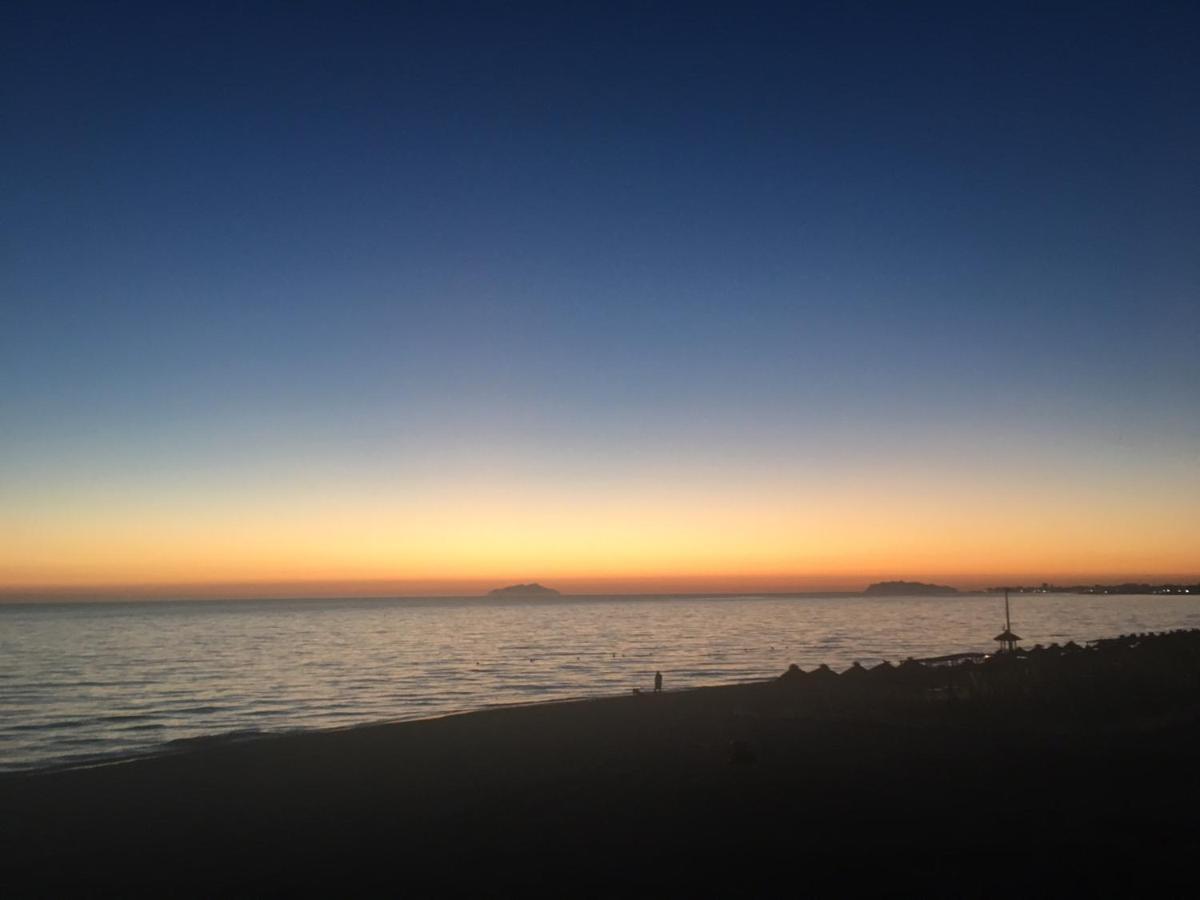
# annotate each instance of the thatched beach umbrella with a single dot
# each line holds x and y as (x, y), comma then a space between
(793, 674)
(855, 672)
(883, 670)
(823, 674)
(1008, 640)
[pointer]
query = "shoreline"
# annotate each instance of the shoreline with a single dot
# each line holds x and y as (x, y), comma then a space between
(231, 738)
(856, 781)
(184, 745)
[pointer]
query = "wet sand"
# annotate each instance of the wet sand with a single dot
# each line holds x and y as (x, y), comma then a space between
(763, 790)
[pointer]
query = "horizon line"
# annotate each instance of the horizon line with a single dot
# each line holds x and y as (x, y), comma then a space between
(365, 589)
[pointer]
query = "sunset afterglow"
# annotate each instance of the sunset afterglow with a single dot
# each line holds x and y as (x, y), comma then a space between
(769, 524)
(765, 339)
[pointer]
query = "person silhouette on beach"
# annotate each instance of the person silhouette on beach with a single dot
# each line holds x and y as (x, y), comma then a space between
(657, 682)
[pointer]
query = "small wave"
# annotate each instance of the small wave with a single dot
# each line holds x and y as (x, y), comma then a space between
(81, 741)
(216, 740)
(127, 717)
(56, 725)
(195, 710)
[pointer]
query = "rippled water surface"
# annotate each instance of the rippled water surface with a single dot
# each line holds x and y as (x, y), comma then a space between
(86, 681)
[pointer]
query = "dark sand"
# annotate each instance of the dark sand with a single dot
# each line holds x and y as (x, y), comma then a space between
(641, 795)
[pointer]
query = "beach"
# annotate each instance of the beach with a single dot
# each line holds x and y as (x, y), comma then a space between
(774, 788)
(85, 683)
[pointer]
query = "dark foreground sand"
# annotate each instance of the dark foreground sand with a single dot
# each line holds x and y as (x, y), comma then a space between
(756, 790)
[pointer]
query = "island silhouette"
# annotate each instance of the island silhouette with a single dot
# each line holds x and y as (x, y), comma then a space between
(909, 589)
(533, 589)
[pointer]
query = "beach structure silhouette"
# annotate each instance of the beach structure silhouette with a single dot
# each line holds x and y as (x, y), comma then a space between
(1008, 640)
(1080, 683)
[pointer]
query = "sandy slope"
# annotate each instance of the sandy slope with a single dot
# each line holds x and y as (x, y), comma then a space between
(629, 795)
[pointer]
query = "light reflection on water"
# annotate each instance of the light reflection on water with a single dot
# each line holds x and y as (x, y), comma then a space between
(80, 681)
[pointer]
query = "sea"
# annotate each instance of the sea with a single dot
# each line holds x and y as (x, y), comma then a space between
(92, 683)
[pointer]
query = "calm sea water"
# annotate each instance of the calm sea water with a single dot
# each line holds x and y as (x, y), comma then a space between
(86, 682)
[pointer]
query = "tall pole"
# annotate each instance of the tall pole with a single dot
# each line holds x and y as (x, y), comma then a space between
(1007, 620)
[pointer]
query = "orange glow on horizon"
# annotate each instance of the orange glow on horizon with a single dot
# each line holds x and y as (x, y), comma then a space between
(775, 536)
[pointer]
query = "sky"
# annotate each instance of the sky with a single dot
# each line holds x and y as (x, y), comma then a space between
(358, 298)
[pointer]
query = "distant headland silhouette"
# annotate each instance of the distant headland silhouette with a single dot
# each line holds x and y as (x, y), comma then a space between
(909, 589)
(524, 590)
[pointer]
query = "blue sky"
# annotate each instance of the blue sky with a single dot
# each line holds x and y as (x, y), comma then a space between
(635, 235)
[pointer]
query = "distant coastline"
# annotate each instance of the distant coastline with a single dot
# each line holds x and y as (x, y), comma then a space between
(1125, 588)
(11, 596)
